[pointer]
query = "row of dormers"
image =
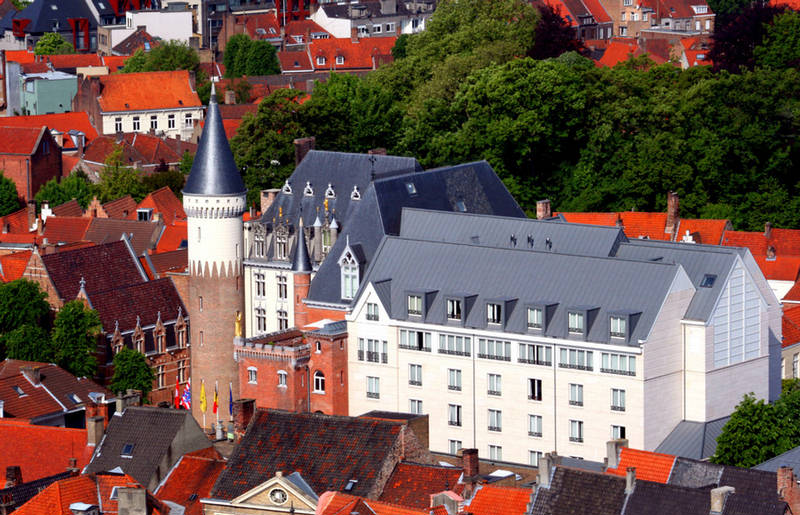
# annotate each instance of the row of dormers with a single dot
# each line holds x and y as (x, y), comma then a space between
(308, 191)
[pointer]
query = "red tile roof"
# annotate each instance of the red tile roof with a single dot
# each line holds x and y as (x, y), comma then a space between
(191, 480)
(412, 483)
(676, 8)
(704, 231)
(650, 466)
(74, 60)
(173, 238)
(71, 208)
(620, 50)
(121, 208)
(489, 500)
(64, 229)
(145, 149)
(365, 54)
(337, 503)
(115, 62)
(144, 302)
(164, 202)
(794, 5)
(791, 325)
(562, 10)
(268, 22)
(13, 265)
(20, 56)
(68, 164)
(174, 261)
(19, 140)
(16, 222)
(147, 91)
(63, 122)
(294, 61)
(41, 451)
(696, 51)
(304, 28)
(597, 10)
(784, 241)
(793, 295)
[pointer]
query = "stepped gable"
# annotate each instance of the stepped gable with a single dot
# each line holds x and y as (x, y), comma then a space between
(214, 171)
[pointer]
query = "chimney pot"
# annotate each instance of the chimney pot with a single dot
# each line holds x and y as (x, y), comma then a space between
(718, 497)
(630, 479)
(768, 230)
(613, 449)
(673, 213)
(469, 461)
(13, 476)
(301, 148)
(543, 209)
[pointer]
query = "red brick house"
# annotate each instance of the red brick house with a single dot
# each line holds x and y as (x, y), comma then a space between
(29, 157)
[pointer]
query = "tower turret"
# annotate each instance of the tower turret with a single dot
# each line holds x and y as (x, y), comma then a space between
(301, 270)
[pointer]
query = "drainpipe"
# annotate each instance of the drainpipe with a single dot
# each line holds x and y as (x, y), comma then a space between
(308, 388)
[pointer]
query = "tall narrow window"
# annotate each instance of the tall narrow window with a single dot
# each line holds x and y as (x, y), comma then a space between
(454, 379)
(414, 374)
(495, 384)
(535, 389)
(414, 305)
(535, 318)
(349, 276)
(281, 242)
(453, 309)
(534, 425)
(283, 290)
(171, 121)
(454, 414)
(495, 420)
(415, 406)
(373, 387)
(617, 399)
(252, 375)
(319, 382)
(118, 124)
(576, 395)
(261, 320)
(136, 124)
(283, 320)
(261, 285)
(494, 313)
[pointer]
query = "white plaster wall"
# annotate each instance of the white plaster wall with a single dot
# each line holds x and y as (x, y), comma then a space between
(338, 28)
(269, 301)
(181, 129)
(166, 25)
(213, 239)
(780, 288)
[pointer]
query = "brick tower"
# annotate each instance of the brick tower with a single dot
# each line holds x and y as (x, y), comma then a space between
(214, 199)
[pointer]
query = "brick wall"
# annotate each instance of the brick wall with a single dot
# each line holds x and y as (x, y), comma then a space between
(35, 271)
(331, 360)
(407, 447)
(45, 164)
(86, 100)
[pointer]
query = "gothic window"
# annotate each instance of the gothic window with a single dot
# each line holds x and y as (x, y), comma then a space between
(281, 243)
(329, 193)
(287, 188)
(259, 241)
(319, 382)
(261, 320)
(349, 276)
(261, 285)
(283, 290)
(308, 191)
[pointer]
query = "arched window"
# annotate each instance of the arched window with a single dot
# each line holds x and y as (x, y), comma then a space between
(319, 347)
(282, 377)
(319, 382)
(349, 275)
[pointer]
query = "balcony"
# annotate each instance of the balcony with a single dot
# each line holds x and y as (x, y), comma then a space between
(534, 362)
(534, 397)
(373, 395)
(373, 356)
(414, 382)
(496, 429)
(617, 408)
(454, 352)
(575, 403)
(537, 434)
(454, 388)
(618, 372)
(414, 347)
(454, 423)
(576, 439)
(574, 367)
(496, 393)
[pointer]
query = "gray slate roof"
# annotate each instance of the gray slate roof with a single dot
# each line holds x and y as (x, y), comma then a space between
(696, 440)
(471, 186)
(214, 171)
(153, 433)
(562, 283)
(503, 232)
(43, 13)
(790, 458)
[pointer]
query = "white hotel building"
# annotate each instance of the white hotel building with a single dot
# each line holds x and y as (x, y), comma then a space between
(520, 337)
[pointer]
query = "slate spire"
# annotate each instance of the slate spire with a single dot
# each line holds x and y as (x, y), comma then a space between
(214, 171)
(301, 263)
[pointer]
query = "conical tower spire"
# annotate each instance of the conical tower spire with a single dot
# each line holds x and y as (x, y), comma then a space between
(214, 170)
(301, 263)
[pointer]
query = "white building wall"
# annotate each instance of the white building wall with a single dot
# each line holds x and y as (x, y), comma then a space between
(166, 25)
(269, 302)
(337, 27)
(181, 129)
(214, 226)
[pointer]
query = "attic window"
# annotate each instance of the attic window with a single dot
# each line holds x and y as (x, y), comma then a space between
(286, 188)
(114, 493)
(350, 484)
(19, 391)
(193, 497)
(329, 193)
(708, 281)
(127, 450)
(308, 191)
(339, 59)
(461, 206)
(74, 398)
(412, 190)
(127, 105)
(54, 7)
(355, 195)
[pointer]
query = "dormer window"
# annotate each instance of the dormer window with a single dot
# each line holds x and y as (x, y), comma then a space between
(355, 195)
(286, 188)
(534, 318)
(453, 309)
(415, 305)
(339, 59)
(281, 244)
(618, 327)
(308, 191)
(411, 188)
(708, 281)
(494, 313)
(349, 268)
(321, 61)
(576, 322)
(329, 193)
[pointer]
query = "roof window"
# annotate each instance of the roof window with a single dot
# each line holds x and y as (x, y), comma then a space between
(412, 190)
(74, 398)
(329, 193)
(708, 281)
(287, 188)
(19, 391)
(461, 206)
(350, 484)
(355, 195)
(127, 450)
(308, 191)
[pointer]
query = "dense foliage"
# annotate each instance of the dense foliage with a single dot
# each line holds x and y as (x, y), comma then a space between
(76, 186)
(131, 372)
(244, 56)
(53, 43)
(9, 198)
(167, 56)
(74, 338)
(588, 138)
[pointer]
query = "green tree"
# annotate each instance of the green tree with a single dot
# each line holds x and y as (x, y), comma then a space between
(262, 59)
(29, 343)
(118, 180)
(241, 88)
(77, 186)
(168, 56)
(53, 43)
(74, 339)
(131, 371)
(174, 179)
(9, 198)
(400, 48)
(185, 165)
(781, 45)
(235, 44)
(22, 302)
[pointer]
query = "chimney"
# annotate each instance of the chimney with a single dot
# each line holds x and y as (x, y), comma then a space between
(33, 373)
(354, 35)
(243, 410)
(768, 230)
(301, 148)
(543, 209)
(31, 214)
(788, 490)
(73, 467)
(230, 97)
(267, 198)
(131, 501)
(718, 497)
(380, 151)
(469, 462)
(13, 476)
(673, 213)
(630, 479)
(120, 137)
(545, 464)
(613, 449)
(95, 427)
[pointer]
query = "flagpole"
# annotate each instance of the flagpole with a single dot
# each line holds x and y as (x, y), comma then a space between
(216, 399)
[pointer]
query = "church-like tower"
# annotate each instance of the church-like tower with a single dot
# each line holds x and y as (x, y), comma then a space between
(214, 199)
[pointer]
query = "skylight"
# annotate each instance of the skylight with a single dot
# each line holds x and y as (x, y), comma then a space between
(708, 281)
(461, 206)
(127, 450)
(19, 391)
(412, 190)
(350, 484)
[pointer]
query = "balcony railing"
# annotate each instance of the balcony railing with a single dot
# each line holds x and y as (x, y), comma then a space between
(618, 372)
(574, 367)
(537, 434)
(495, 428)
(373, 356)
(454, 422)
(373, 317)
(361, 355)
(373, 395)
(578, 439)
(534, 362)
(414, 347)
(414, 382)
(617, 408)
(494, 356)
(534, 397)
(496, 393)
(454, 352)
(454, 387)
(575, 403)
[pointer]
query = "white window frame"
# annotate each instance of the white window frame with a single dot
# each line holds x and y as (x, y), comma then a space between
(171, 121)
(495, 387)
(415, 406)
(617, 399)
(495, 452)
(349, 270)
(136, 124)
(495, 420)
(118, 124)
(414, 304)
(454, 309)
(494, 313)
(454, 415)
(282, 375)
(414, 374)
(454, 379)
(534, 389)
(454, 446)
(373, 387)
(339, 59)
(321, 60)
(575, 394)
(283, 287)
(576, 431)
(252, 375)
(319, 382)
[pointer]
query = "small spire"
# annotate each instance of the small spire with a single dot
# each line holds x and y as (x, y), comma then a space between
(213, 97)
(301, 263)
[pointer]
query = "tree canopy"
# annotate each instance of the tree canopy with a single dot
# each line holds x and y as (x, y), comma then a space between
(23, 309)
(780, 47)
(167, 56)
(244, 56)
(74, 339)
(9, 198)
(131, 372)
(76, 186)
(53, 43)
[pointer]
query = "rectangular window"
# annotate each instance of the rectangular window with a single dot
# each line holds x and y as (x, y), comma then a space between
(283, 289)
(622, 17)
(281, 378)
(373, 387)
(617, 399)
(617, 432)
(261, 320)
(414, 374)
(361, 349)
(340, 59)
(153, 122)
(623, 31)
(376, 29)
(377, 351)
(494, 349)
(495, 384)
(454, 446)
(283, 320)
(181, 371)
(534, 425)
(415, 406)
(535, 389)
(117, 124)
(454, 379)
(136, 124)
(495, 420)
(533, 458)
(494, 313)
(321, 61)
(171, 121)
(575, 322)
(576, 395)
(414, 305)
(627, 3)
(535, 318)
(618, 364)
(188, 121)
(644, 16)
(495, 453)
(453, 309)
(415, 340)
(576, 359)
(363, 30)
(635, 16)
(261, 285)
(372, 311)
(618, 327)
(576, 431)
(389, 27)
(535, 354)
(455, 345)
(160, 376)
(454, 414)
(252, 375)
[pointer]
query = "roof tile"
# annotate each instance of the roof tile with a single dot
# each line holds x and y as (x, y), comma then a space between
(650, 466)
(41, 451)
(144, 302)
(191, 480)
(135, 91)
(62, 122)
(489, 499)
(412, 483)
(19, 140)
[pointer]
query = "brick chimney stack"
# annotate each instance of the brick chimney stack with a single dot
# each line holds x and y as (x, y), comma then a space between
(132, 501)
(719, 496)
(95, 427)
(543, 209)
(768, 230)
(268, 197)
(301, 148)
(788, 490)
(469, 462)
(243, 410)
(673, 213)
(13, 476)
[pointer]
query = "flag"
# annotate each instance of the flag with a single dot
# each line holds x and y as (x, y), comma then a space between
(216, 400)
(203, 404)
(230, 399)
(177, 399)
(186, 400)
